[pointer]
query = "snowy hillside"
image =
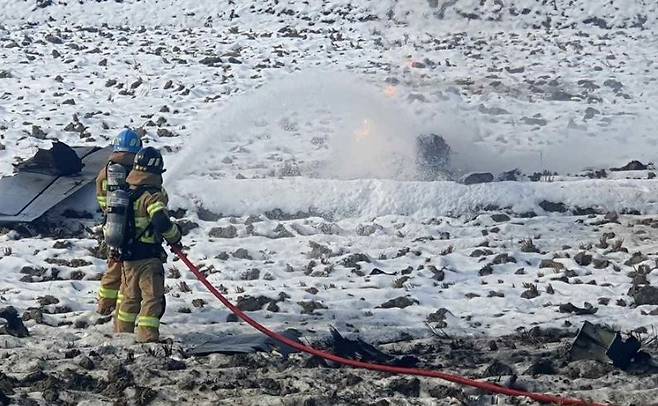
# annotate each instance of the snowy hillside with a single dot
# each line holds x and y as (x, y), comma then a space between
(289, 131)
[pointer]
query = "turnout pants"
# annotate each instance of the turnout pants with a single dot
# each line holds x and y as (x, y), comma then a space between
(143, 299)
(109, 294)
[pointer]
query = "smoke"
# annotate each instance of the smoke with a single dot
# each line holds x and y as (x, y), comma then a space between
(336, 125)
(365, 134)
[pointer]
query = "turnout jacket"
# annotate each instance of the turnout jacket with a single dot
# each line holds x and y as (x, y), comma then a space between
(122, 158)
(151, 217)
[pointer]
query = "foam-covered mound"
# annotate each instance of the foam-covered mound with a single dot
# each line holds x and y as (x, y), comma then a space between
(372, 198)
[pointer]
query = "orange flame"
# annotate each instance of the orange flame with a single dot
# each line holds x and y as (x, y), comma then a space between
(364, 132)
(391, 91)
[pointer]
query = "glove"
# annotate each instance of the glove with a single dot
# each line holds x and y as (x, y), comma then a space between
(176, 246)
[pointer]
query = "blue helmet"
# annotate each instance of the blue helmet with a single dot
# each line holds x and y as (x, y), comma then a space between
(127, 141)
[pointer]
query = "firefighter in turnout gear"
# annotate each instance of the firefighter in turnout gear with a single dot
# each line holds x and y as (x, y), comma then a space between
(143, 255)
(124, 148)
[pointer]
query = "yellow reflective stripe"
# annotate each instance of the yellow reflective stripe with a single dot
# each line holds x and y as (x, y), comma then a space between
(147, 321)
(104, 185)
(102, 201)
(155, 207)
(141, 222)
(120, 298)
(105, 293)
(127, 317)
(172, 234)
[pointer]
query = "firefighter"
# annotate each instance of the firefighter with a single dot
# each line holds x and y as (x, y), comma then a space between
(143, 272)
(124, 148)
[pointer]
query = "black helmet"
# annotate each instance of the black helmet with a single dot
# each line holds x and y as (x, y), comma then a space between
(149, 160)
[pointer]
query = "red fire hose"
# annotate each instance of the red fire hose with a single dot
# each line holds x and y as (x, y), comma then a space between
(485, 386)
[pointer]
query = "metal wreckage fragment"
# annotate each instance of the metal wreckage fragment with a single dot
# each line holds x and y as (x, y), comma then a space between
(47, 179)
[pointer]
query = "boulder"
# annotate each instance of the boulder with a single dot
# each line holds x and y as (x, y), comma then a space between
(12, 324)
(475, 178)
(644, 295)
(631, 166)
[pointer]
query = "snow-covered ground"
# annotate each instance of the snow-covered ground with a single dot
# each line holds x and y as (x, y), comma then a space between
(289, 131)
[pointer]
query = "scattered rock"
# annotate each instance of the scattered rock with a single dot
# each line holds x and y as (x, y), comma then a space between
(549, 263)
(408, 387)
(5, 74)
(582, 258)
(34, 314)
(280, 231)
(144, 395)
(72, 353)
(250, 274)
(207, 215)
(136, 83)
(590, 113)
(86, 363)
(222, 256)
(309, 307)
(73, 263)
(644, 295)
(631, 166)
(528, 246)
(615, 85)
(186, 226)
(352, 261)
(318, 250)
(486, 270)
(496, 369)
(552, 207)
(365, 230)
(164, 132)
(534, 121)
(437, 274)
(559, 95)
(635, 259)
(199, 303)
(481, 253)
(475, 178)
(12, 325)
(439, 317)
(47, 300)
(500, 218)
(38, 133)
(531, 293)
(399, 302)
(503, 259)
(242, 253)
(210, 60)
(600, 263)
(570, 308)
(223, 232)
(542, 366)
(588, 369)
(53, 39)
